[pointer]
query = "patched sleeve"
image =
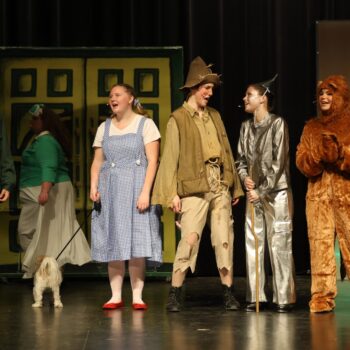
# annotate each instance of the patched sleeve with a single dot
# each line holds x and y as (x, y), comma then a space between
(165, 186)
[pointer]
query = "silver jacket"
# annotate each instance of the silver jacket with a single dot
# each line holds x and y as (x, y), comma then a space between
(263, 154)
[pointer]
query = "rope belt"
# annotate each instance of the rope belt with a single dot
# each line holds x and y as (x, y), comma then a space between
(214, 175)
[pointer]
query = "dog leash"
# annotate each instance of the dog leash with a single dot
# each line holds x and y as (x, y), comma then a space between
(97, 207)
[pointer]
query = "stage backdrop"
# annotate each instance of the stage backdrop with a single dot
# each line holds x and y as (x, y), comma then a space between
(75, 83)
(333, 49)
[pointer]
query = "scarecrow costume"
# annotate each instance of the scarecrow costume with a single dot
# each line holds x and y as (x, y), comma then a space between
(198, 166)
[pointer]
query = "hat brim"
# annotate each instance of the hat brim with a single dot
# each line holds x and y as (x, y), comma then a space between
(209, 78)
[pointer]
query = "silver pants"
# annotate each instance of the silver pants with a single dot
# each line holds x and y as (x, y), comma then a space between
(272, 224)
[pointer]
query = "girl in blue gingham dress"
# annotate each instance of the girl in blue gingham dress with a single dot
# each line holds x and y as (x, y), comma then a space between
(127, 227)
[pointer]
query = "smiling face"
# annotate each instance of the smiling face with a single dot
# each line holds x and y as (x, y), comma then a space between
(253, 100)
(325, 99)
(120, 100)
(201, 95)
(333, 96)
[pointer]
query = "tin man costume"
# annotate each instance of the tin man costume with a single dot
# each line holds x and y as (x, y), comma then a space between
(263, 155)
(323, 155)
(197, 169)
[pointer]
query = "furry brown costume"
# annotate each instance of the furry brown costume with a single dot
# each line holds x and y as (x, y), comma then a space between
(323, 155)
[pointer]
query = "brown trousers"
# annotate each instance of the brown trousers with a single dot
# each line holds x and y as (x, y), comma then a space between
(214, 208)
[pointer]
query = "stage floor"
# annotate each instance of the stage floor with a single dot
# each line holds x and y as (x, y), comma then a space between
(203, 324)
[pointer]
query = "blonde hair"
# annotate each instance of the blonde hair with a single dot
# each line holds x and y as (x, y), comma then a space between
(136, 104)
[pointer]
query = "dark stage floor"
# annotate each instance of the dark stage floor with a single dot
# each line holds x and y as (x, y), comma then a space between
(82, 324)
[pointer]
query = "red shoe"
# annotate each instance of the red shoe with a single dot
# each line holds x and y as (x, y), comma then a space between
(112, 306)
(136, 306)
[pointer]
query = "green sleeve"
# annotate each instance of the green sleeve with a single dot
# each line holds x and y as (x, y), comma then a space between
(47, 153)
(7, 169)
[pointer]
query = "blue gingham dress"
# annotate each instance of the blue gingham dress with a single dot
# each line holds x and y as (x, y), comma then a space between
(120, 231)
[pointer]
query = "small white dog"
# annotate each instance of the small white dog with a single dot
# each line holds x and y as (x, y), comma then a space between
(47, 276)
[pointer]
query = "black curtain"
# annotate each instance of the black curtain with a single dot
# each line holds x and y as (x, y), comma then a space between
(247, 40)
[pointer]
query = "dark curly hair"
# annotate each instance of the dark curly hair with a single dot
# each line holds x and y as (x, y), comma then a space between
(53, 124)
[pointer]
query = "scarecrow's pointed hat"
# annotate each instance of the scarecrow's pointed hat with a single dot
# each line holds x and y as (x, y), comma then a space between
(200, 73)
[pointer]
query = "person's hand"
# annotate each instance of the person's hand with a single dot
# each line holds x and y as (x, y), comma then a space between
(252, 196)
(4, 195)
(43, 197)
(249, 184)
(345, 164)
(143, 202)
(94, 194)
(176, 204)
(235, 201)
(329, 148)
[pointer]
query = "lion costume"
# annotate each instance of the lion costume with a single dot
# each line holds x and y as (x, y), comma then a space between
(323, 155)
